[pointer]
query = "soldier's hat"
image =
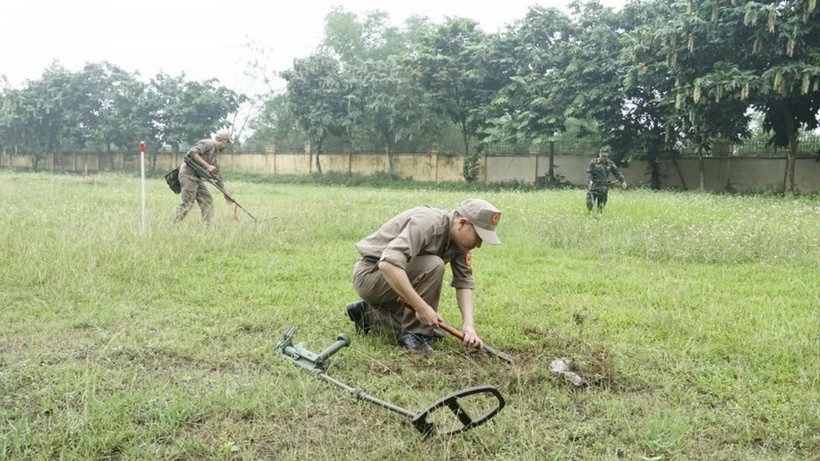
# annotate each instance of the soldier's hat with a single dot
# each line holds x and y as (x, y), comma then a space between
(483, 216)
(223, 135)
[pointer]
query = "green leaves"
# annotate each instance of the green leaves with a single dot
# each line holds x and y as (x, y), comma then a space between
(455, 71)
(318, 96)
(103, 106)
(751, 54)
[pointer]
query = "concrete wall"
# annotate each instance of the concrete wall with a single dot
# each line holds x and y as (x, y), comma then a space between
(741, 174)
(519, 168)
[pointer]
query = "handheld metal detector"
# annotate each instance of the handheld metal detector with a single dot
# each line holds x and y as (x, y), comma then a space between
(215, 182)
(484, 401)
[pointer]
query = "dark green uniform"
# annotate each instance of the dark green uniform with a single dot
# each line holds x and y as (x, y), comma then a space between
(598, 179)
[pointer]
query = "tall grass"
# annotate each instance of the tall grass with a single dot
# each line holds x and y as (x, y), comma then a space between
(694, 317)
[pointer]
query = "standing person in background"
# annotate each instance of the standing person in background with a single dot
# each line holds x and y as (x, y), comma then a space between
(401, 271)
(598, 177)
(204, 154)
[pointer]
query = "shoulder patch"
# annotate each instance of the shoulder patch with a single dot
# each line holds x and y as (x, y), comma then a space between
(468, 259)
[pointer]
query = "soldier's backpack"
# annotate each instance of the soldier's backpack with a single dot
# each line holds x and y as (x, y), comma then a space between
(172, 178)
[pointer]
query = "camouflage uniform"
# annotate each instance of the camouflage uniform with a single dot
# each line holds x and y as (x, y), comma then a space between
(194, 187)
(418, 241)
(598, 175)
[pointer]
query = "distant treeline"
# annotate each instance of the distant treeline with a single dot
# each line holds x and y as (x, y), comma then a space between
(654, 80)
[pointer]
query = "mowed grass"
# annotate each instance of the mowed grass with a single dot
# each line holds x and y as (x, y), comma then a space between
(695, 318)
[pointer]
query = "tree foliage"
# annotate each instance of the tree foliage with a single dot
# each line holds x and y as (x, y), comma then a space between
(37, 119)
(103, 106)
(529, 58)
(452, 67)
(277, 126)
(320, 97)
(650, 80)
(188, 110)
(387, 106)
(763, 55)
(390, 105)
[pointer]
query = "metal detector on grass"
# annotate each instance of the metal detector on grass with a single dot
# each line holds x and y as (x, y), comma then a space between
(485, 401)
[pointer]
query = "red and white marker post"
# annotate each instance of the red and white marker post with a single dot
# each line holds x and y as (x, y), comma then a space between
(142, 183)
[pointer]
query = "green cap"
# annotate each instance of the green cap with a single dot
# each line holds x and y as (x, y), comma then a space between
(483, 216)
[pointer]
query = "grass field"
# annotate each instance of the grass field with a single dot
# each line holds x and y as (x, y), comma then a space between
(695, 318)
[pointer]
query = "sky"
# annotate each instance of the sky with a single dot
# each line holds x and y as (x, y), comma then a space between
(202, 38)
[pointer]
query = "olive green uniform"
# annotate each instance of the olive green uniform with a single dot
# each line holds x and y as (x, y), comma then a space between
(193, 186)
(598, 175)
(418, 241)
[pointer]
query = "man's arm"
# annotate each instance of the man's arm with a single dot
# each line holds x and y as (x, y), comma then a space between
(617, 172)
(464, 297)
(397, 278)
(195, 157)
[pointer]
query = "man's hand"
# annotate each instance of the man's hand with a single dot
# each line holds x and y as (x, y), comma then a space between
(212, 170)
(428, 316)
(623, 185)
(590, 184)
(471, 339)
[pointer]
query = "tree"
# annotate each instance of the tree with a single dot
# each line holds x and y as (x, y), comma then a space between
(595, 76)
(452, 67)
(277, 125)
(186, 111)
(652, 125)
(111, 108)
(319, 97)
(106, 106)
(764, 54)
(386, 105)
(622, 95)
(390, 103)
(34, 117)
(528, 61)
(352, 40)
